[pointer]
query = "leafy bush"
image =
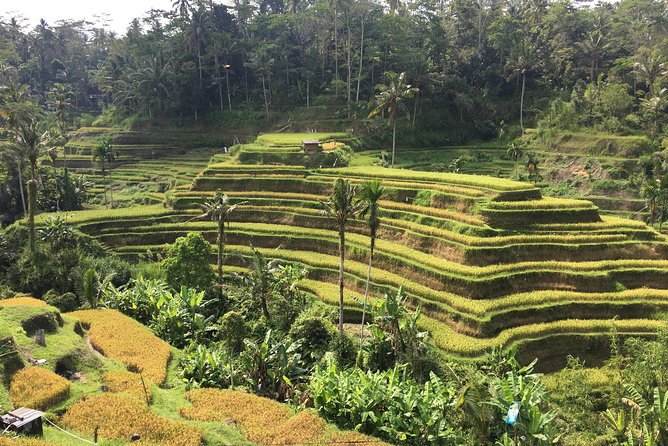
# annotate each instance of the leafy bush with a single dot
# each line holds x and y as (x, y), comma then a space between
(388, 406)
(179, 318)
(187, 263)
(65, 302)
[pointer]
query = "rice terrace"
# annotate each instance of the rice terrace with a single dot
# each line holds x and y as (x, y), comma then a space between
(296, 223)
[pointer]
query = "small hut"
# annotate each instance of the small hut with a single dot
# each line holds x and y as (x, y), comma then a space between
(312, 146)
(23, 421)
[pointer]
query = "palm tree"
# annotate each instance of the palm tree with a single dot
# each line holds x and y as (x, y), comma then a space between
(341, 207)
(391, 97)
(594, 47)
(219, 209)
(260, 280)
(338, 5)
(27, 139)
(521, 61)
(106, 154)
(370, 195)
(183, 7)
(262, 64)
(650, 69)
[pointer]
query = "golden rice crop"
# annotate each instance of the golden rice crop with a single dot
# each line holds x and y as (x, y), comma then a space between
(21, 441)
(128, 382)
(265, 421)
(303, 428)
(122, 338)
(120, 416)
(22, 301)
(351, 438)
(259, 417)
(37, 388)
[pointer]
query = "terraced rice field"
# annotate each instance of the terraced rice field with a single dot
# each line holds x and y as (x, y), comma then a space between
(491, 261)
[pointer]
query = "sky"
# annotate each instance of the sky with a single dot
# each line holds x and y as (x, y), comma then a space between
(119, 13)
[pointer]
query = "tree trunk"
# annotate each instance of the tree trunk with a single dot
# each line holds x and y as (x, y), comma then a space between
(336, 51)
(55, 178)
(32, 208)
(522, 101)
(350, 68)
(220, 242)
(266, 104)
(199, 62)
(111, 190)
(415, 105)
(308, 93)
(23, 195)
(394, 140)
(359, 72)
(220, 81)
(366, 288)
(342, 248)
(227, 82)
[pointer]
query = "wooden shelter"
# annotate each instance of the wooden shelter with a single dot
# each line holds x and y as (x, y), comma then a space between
(23, 420)
(311, 145)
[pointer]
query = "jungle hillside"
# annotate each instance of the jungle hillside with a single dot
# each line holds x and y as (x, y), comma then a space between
(341, 222)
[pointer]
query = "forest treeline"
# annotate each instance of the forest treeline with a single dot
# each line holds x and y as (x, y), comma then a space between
(476, 63)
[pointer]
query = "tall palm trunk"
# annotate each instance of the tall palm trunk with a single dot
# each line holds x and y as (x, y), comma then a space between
(227, 82)
(342, 248)
(524, 78)
(23, 194)
(350, 66)
(220, 81)
(221, 244)
(266, 104)
(359, 72)
(55, 178)
(394, 139)
(32, 208)
(111, 190)
(366, 288)
(336, 51)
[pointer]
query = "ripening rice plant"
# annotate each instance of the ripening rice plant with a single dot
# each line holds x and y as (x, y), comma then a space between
(37, 388)
(127, 382)
(22, 301)
(20, 441)
(351, 438)
(265, 421)
(122, 338)
(120, 416)
(258, 416)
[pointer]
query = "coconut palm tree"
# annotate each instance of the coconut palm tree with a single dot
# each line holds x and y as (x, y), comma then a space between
(392, 97)
(219, 209)
(28, 139)
(370, 195)
(341, 207)
(261, 62)
(106, 154)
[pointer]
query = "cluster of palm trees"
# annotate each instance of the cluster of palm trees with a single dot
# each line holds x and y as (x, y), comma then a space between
(28, 139)
(346, 203)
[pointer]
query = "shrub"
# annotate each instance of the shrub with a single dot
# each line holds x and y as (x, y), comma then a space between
(38, 388)
(386, 405)
(119, 417)
(187, 263)
(124, 339)
(65, 302)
